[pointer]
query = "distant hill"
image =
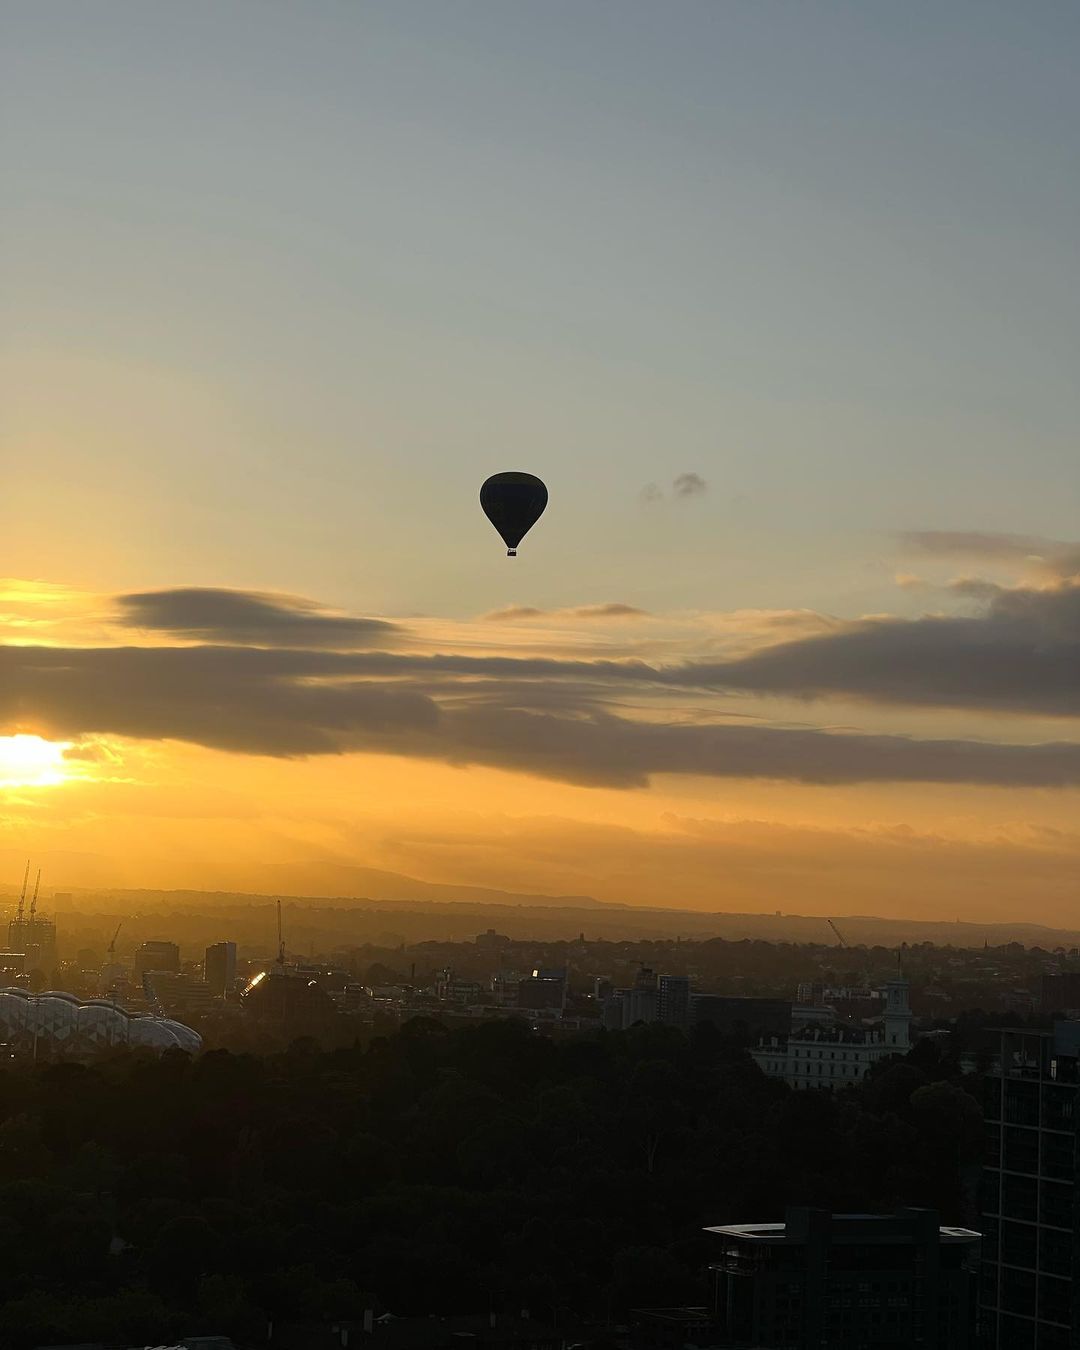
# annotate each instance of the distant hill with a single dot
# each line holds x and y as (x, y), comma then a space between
(338, 879)
(366, 904)
(455, 912)
(302, 880)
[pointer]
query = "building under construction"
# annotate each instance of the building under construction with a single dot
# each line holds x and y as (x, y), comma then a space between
(31, 933)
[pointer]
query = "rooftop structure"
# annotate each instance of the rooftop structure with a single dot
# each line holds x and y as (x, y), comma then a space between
(846, 1281)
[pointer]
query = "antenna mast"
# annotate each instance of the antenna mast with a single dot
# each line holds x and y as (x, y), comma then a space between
(280, 939)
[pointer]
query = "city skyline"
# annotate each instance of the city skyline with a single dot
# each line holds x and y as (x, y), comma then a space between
(778, 304)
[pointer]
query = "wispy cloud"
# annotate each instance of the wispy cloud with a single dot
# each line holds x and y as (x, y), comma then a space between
(689, 485)
(1054, 555)
(610, 610)
(683, 486)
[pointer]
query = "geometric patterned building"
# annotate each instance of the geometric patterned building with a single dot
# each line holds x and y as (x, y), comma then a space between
(58, 1025)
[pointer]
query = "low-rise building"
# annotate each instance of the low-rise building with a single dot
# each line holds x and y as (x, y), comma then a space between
(835, 1056)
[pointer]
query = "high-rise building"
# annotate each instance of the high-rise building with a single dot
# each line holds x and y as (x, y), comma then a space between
(156, 956)
(219, 969)
(745, 1018)
(541, 991)
(35, 937)
(675, 1001)
(1061, 992)
(31, 933)
(1029, 1202)
(846, 1281)
(176, 993)
(546, 988)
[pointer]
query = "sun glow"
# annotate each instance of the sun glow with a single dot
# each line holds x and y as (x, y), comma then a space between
(30, 761)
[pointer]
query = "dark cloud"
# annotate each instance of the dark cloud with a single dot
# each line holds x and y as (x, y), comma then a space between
(689, 485)
(615, 751)
(232, 698)
(210, 614)
(1021, 655)
(288, 703)
(1056, 554)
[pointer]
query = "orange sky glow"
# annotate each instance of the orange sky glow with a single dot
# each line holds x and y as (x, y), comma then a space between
(779, 303)
(118, 782)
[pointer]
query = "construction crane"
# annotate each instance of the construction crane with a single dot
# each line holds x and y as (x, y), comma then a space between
(280, 939)
(33, 902)
(22, 897)
(111, 949)
(839, 935)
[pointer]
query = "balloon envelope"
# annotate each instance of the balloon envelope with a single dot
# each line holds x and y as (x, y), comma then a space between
(513, 502)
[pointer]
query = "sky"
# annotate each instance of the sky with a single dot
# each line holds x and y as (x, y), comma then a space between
(782, 302)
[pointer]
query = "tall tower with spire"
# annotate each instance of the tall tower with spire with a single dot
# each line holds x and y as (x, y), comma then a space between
(897, 1021)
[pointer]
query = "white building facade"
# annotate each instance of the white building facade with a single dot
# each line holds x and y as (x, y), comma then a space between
(832, 1057)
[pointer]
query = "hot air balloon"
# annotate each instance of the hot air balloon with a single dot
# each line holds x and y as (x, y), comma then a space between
(513, 502)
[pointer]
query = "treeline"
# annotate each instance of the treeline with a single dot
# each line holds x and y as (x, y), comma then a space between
(433, 1171)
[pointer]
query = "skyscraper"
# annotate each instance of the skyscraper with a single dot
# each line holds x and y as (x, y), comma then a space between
(219, 968)
(1031, 1248)
(156, 956)
(675, 1000)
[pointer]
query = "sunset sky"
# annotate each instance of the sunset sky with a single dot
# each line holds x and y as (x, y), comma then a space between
(782, 302)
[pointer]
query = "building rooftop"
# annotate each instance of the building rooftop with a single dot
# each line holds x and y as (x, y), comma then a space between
(843, 1227)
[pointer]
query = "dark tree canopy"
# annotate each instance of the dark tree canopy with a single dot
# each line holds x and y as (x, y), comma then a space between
(434, 1171)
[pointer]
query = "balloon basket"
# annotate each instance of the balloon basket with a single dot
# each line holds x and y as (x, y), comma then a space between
(511, 552)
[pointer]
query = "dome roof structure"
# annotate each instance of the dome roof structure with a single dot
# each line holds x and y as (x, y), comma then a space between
(58, 1024)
